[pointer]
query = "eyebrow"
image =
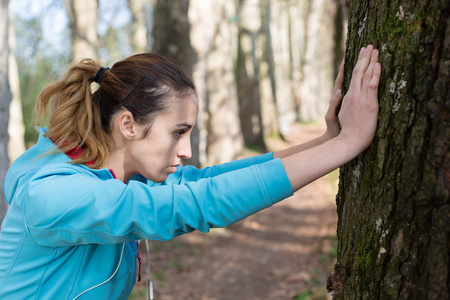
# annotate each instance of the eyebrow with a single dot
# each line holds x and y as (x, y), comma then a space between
(186, 125)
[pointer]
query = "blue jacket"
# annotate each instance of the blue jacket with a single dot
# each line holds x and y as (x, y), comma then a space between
(67, 224)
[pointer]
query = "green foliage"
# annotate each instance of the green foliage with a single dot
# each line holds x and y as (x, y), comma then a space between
(306, 295)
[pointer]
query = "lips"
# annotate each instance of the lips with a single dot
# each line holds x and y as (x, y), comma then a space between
(173, 168)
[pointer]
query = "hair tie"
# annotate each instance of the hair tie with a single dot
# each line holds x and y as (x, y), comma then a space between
(99, 76)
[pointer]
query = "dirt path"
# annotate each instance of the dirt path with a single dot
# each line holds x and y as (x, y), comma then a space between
(284, 252)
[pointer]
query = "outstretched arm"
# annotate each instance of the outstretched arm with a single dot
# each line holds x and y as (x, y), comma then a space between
(331, 119)
(358, 119)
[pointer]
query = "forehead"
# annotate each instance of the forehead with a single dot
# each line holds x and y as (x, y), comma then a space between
(182, 108)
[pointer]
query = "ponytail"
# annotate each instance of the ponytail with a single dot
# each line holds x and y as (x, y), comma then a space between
(75, 121)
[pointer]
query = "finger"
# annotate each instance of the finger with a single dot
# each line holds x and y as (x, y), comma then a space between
(333, 108)
(339, 78)
(336, 99)
(369, 72)
(360, 68)
(372, 93)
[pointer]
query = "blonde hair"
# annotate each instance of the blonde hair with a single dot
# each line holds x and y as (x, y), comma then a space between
(75, 119)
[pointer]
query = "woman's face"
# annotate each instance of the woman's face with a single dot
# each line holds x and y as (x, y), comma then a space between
(160, 152)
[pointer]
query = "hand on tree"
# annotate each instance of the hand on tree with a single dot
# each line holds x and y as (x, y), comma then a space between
(331, 117)
(359, 111)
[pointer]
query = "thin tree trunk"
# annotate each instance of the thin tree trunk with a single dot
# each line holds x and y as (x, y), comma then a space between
(171, 32)
(83, 25)
(214, 39)
(318, 64)
(394, 201)
(268, 83)
(5, 99)
(16, 127)
(247, 74)
(138, 32)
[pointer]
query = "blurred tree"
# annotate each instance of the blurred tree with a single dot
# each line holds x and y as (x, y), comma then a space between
(394, 201)
(16, 127)
(214, 38)
(268, 81)
(171, 33)
(138, 28)
(248, 73)
(5, 99)
(318, 58)
(303, 45)
(83, 25)
(115, 30)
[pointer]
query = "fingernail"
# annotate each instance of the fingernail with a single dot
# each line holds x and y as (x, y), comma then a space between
(362, 49)
(374, 52)
(338, 92)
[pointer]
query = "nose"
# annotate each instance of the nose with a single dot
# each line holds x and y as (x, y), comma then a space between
(185, 150)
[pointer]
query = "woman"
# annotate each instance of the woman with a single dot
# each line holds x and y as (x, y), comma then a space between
(106, 172)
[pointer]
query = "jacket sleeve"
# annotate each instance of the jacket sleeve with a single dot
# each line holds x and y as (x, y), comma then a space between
(67, 206)
(191, 173)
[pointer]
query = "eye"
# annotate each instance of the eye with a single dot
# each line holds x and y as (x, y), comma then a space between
(180, 133)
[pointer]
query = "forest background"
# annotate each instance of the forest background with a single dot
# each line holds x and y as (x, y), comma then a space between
(260, 66)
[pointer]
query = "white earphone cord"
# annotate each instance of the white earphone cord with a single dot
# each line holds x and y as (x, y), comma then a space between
(96, 286)
(149, 286)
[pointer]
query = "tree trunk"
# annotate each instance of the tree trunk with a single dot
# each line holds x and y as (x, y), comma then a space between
(278, 17)
(171, 33)
(83, 25)
(5, 99)
(214, 39)
(16, 127)
(138, 32)
(393, 200)
(318, 61)
(268, 80)
(247, 73)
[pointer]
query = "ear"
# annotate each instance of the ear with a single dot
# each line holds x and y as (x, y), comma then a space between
(127, 125)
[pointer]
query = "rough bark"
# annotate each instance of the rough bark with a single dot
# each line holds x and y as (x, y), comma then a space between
(83, 25)
(171, 32)
(247, 73)
(5, 99)
(393, 200)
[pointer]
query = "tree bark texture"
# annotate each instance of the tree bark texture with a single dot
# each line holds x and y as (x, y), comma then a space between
(5, 99)
(393, 200)
(171, 33)
(83, 25)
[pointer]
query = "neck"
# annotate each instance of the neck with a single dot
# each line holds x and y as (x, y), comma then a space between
(116, 162)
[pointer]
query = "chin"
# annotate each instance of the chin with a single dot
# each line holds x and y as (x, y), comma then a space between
(160, 179)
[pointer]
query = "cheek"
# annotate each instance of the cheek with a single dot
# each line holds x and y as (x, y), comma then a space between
(165, 148)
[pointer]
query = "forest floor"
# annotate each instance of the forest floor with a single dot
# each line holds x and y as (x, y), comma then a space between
(281, 253)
